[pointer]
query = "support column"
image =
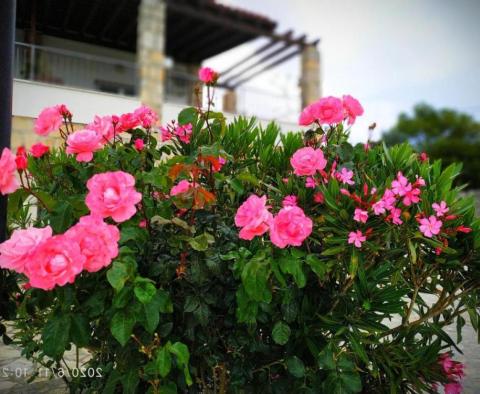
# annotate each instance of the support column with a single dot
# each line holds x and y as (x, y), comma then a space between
(194, 87)
(310, 79)
(230, 101)
(7, 37)
(150, 52)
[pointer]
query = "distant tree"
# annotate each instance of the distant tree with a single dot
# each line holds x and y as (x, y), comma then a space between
(444, 134)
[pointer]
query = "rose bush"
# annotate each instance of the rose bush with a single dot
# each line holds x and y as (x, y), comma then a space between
(212, 257)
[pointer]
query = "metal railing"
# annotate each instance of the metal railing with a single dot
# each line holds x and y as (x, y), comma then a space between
(106, 74)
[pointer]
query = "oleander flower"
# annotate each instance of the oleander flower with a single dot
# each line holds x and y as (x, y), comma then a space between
(360, 215)
(182, 187)
(83, 143)
(345, 176)
(98, 241)
(184, 132)
(50, 119)
(253, 216)
(290, 201)
(207, 75)
(8, 179)
(401, 186)
(352, 108)
(440, 209)
(356, 238)
(38, 150)
(146, 116)
(290, 227)
(113, 194)
(430, 226)
(57, 261)
(453, 388)
(307, 161)
(17, 251)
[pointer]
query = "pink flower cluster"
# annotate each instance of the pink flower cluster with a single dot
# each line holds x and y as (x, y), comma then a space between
(207, 75)
(331, 110)
(307, 161)
(290, 227)
(50, 119)
(182, 132)
(50, 260)
(453, 371)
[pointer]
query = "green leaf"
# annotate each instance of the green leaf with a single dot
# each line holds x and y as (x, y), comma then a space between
(281, 333)
(296, 367)
(201, 242)
(118, 274)
(187, 115)
(80, 330)
(293, 266)
(144, 290)
(326, 359)
(333, 251)
(163, 362)
(152, 317)
(61, 218)
(168, 388)
(254, 277)
(55, 335)
(130, 381)
(180, 350)
(353, 267)
(121, 325)
(318, 266)
(413, 252)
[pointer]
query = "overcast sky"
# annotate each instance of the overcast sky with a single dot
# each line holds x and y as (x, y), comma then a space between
(390, 54)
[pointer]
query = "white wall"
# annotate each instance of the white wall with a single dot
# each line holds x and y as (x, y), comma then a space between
(29, 98)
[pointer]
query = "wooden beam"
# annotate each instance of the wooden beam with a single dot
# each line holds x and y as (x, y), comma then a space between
(90, 17)
(180, 43)
(113, 17)
(263, 48)
(266, 68)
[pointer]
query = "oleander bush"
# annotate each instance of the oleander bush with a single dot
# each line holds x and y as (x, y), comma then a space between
(212, 256)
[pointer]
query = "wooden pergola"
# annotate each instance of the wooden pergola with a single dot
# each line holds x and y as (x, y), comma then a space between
(195, 30)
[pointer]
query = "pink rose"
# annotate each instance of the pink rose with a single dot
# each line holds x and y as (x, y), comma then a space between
(430, 226)
(98, 241)
(290, 227)
(184, 132)
(139, 144)
(21, 159)
(352, 108)
(112, 194)
(207, 75)
(356, 238)
(453, 388)
(38, 150)
(57, 261)
(146, 116)
(307, 161)
(328, 110)
(16, 251)
(83, 143)
(127, 121)
(103, 126)
(8, 180)
(306, 117)
(50, 119)
(182, 187)
(253, 216)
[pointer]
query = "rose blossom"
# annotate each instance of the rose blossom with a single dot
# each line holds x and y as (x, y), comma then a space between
(345, 176)
(431, 226)
(360, 215)
(306, 117)
(139, 144)
(50, 119)
(253, 216)
(290, 201)
(126, 122)
(98, 241)
(103, 126)
(453, 388)
(146, 116)
(16, 251)
(83, 143)
(440, 209)
(182, 187)
(207, 75)
(112, 194)
(328, 110)
(57, 261)
(307, 161)
(352, 108)
(290, 227)
(21, 159)
(319, 198)
(38, 150)
(8, 180)
(356, 238)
